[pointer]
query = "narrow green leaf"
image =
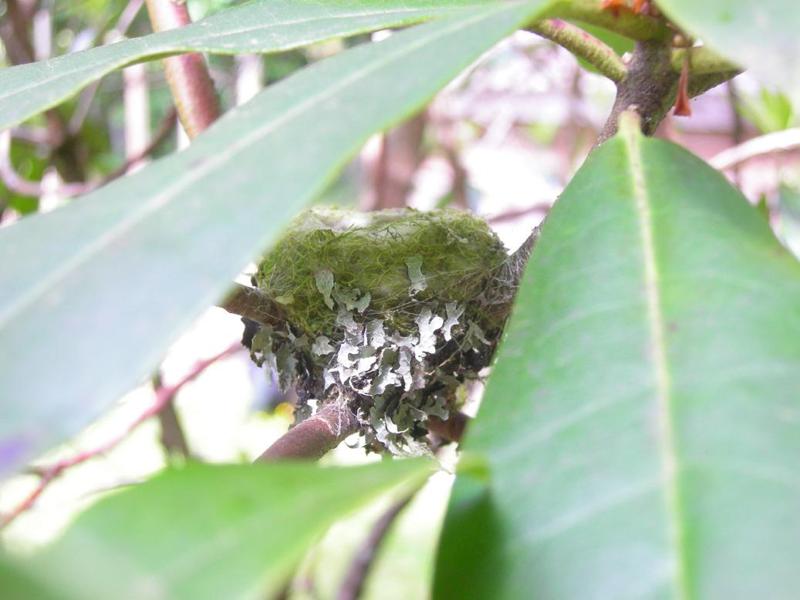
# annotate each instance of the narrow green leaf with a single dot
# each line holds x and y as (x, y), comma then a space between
(262, 27)
(91, 295)
(761, 35)
(210, 531)
(642, 425)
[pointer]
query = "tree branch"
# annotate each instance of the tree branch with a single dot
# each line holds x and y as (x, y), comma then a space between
(649, 88)
(187, 74)
(316, 436)
(583, 45)
(163, 396)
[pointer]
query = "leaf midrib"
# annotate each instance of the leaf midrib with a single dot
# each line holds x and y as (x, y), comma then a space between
(656, 324)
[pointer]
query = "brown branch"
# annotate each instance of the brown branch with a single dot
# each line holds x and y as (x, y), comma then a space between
(651, 85)
(313, 438)
(316, 436)
(399, 158)
(187, 74)
(15, 33)
(356, 576)
(163, 396)
(649, 88)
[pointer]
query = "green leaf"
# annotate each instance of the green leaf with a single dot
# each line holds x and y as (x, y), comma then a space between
(768, 111)
(210, 531)
(18, 584)
(789, 217)
(91, 295)
(761, 35)
(642, 425)
(262, 27)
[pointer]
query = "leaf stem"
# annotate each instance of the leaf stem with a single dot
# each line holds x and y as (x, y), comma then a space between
(702, 61)
(583, 45)
(638, 27)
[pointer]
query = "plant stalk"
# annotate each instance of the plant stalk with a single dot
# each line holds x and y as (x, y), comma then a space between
(187, 74)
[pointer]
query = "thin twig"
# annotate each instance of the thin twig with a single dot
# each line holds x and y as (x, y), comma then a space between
(123, 22)
(514, 214)
(164, 129)
(770, 143)
(65, 150)
(25, 187)
(163, 396)
(172, 437)
(356, 576)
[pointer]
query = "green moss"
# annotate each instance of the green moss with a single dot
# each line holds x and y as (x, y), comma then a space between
(378, 253)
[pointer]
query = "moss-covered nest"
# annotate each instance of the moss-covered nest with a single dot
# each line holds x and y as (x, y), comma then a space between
(398, 257)
(387, 312)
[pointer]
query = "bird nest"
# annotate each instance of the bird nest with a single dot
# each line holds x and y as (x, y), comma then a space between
(389, 312)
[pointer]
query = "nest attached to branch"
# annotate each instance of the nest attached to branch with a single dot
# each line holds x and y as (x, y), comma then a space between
(388, 313)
